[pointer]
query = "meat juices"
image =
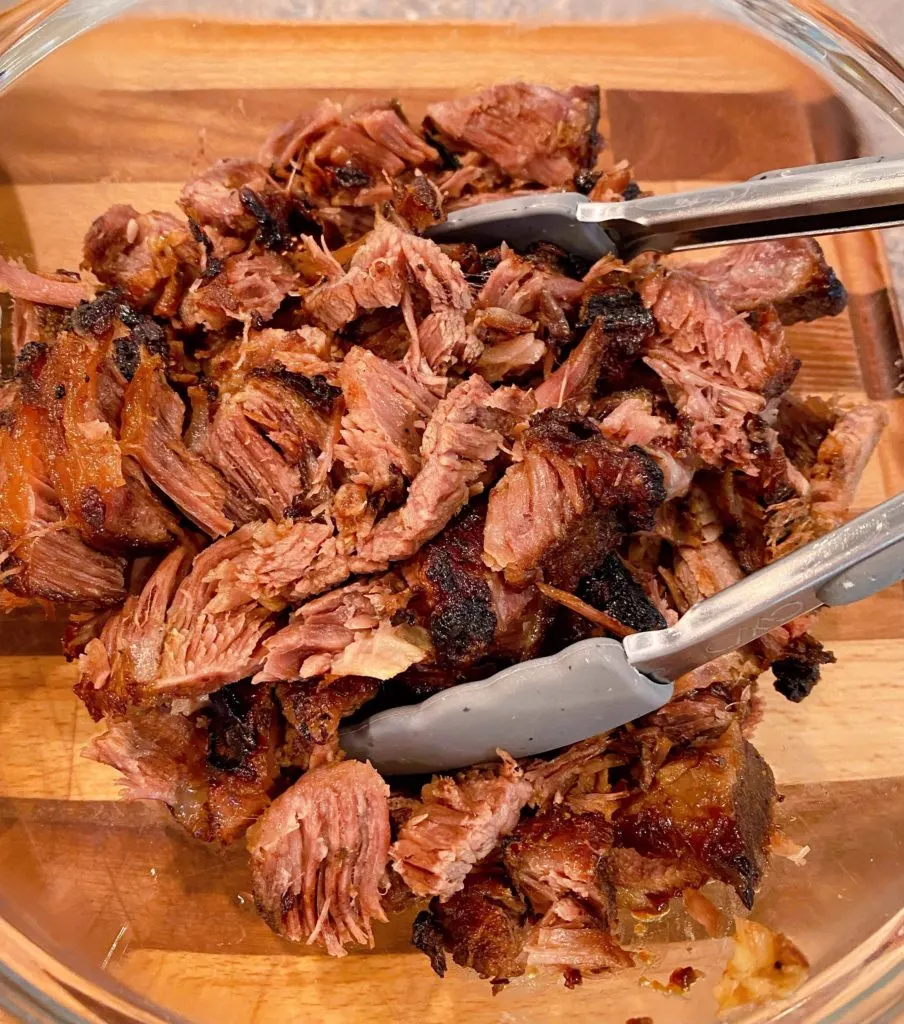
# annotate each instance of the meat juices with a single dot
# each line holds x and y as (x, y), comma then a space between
(292, 461)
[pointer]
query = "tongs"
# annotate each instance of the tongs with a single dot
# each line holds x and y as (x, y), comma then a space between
(598, 684)
(820, 199)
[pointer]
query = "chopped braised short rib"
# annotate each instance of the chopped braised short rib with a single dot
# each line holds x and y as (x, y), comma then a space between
(287, 461)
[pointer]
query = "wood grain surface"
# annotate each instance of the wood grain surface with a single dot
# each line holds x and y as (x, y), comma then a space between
(131, 111)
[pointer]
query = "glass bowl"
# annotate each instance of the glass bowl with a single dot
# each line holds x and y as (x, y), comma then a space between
(109, 912)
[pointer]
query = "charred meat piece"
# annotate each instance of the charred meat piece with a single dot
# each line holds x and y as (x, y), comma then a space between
(557, 854)
(628, 326)
(612, 186)
(293, 408)
(419, 202)
(459, 822)
(215, 200)
(41, 557)
(611, 588)
(104, 493)
(450, 583)
(481, 925)
(215, 770)
(788, 273)
(318, 856)
(150, 257)
(561, 502)
(556, 136)
(476, 620)
(709, 811)
(797, 671)
(314, 710)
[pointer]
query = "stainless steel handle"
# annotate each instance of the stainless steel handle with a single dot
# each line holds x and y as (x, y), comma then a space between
(845, 196)
(850, 563)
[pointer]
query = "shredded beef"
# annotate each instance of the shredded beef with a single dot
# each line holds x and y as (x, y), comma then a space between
(286, 460)
(152, 421)
(464, 434)
(564, 487)
(458, 823)
(318, 855)
(349, 631)
(27, 286)
(789, 273)
(556, 136)
(567, 936)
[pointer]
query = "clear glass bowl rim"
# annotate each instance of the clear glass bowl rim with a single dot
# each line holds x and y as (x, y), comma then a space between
(867, 985)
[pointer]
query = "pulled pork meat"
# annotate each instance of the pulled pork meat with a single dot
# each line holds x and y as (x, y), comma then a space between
(286, 460)
(457, 824)
(318, 856)
(790, 274)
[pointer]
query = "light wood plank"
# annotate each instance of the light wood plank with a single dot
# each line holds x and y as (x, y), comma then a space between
(692, 54)
(335, 992)
(850, 727)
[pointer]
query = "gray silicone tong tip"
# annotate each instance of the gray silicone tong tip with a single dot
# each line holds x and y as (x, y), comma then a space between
(598, 684)
(849, 195)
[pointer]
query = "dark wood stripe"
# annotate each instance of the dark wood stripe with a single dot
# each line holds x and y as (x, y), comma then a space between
(719, 136)
(31, 633)
(834, 130)
(876, 324)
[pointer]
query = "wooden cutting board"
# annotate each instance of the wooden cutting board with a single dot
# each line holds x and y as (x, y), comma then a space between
(127, 114)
